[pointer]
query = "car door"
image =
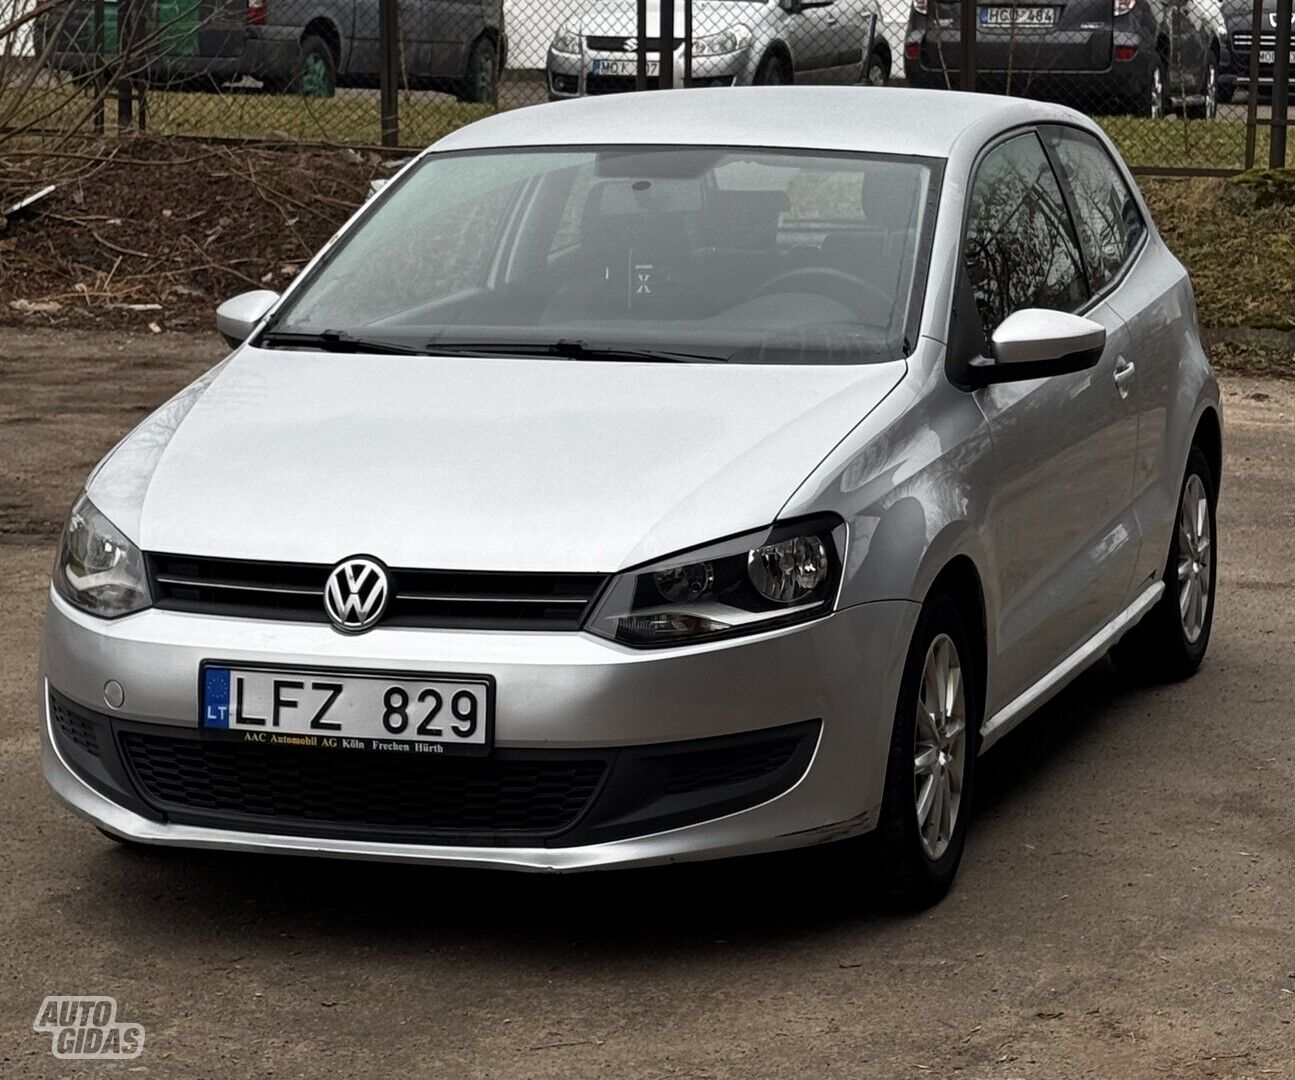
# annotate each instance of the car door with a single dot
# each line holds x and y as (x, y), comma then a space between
(845, 27)
(1060, 520)
(813, 28)
(1115, 237)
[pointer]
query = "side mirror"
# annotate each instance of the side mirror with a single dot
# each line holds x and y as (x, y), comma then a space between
(237, 317)
(1035, 343)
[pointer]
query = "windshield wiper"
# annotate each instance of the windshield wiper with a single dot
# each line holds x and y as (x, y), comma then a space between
(334, 341)
(571, 350)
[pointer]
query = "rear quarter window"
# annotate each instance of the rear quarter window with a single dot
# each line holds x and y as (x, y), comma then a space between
(1107, 216)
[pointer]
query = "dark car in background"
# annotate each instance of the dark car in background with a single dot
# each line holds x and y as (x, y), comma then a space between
(1146, 57)
(304, 46)
(1240, 26)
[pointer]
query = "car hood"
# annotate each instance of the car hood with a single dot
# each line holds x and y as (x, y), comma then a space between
(508, 464)
(619, 17)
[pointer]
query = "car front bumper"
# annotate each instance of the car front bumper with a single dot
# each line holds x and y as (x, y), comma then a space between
(556, 692)
(571, 75)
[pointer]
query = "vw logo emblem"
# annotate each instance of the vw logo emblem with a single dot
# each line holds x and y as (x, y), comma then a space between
(356, 594)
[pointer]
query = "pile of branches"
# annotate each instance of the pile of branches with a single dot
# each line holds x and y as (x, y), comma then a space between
(155, 232)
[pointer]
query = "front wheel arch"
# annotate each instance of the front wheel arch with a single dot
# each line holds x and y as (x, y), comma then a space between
(775, 53)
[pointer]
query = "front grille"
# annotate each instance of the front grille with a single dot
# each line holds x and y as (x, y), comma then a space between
(453, 599)
(606, 43)
(1241, 40)
(73, 726)
(409, 795)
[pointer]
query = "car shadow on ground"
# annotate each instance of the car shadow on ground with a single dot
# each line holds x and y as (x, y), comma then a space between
(756, 900)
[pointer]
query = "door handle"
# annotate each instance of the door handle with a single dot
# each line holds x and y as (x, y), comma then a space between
(1124, 372)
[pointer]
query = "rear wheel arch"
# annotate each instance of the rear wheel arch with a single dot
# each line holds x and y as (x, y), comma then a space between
(324, 29)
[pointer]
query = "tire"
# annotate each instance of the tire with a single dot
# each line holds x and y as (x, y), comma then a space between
(774, 70)
(316, 74)
(878, 69)
(1208, 109)
(914, 871)
(1151, 98)
(1167, 645)
(481, 76)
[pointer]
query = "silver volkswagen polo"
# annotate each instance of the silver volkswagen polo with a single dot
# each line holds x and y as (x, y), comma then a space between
(652, 478)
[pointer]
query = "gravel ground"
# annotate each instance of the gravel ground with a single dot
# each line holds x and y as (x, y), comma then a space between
(1125, 908)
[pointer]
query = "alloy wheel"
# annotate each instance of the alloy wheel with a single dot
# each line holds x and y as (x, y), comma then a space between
(1157, 93)
(940, 746)
(314, 76)
(484, 83)
(1211, 91)
(1195, 558)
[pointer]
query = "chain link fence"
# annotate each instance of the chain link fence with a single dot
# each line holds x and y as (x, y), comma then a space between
(1181, 85)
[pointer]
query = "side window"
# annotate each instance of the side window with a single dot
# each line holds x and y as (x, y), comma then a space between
(1107, 216)
(1020, 249)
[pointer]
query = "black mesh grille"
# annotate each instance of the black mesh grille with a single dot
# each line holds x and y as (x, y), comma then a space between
(73, 727)
(487, 600)
(421, 794)
(698, 771)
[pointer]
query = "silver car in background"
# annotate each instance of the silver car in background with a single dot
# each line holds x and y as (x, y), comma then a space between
(627, 484)
(734, 43)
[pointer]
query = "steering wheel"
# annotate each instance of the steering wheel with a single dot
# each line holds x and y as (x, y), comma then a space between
(836, 284)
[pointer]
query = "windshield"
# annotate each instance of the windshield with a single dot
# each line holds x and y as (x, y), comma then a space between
(693, 253)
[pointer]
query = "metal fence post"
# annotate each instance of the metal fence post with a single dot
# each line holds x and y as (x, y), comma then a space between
(124, 106)
(665, 46)
(1281, 86)
(1252, 93)
(388, 70)
(969, 45)
(687, 42)
(100, 81)
(640, 43)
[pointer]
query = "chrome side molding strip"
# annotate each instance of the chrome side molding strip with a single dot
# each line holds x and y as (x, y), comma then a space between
(1088, 653)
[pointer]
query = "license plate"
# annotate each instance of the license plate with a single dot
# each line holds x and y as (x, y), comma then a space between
(624, 67)
(334, 710)
(1269, 56)
(1018, 16)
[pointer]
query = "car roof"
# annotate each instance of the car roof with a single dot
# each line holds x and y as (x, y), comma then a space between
(865, 119)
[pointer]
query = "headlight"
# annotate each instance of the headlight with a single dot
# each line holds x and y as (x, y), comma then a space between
(732, 40)
(567, 41)
(98, 569)
(762, 581)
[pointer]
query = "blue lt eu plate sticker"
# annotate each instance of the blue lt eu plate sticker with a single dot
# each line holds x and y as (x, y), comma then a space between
(215, 698)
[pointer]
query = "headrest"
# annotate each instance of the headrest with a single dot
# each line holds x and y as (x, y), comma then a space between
(742, 220)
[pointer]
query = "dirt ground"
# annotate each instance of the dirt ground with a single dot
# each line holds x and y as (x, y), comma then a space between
(1126, 907)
